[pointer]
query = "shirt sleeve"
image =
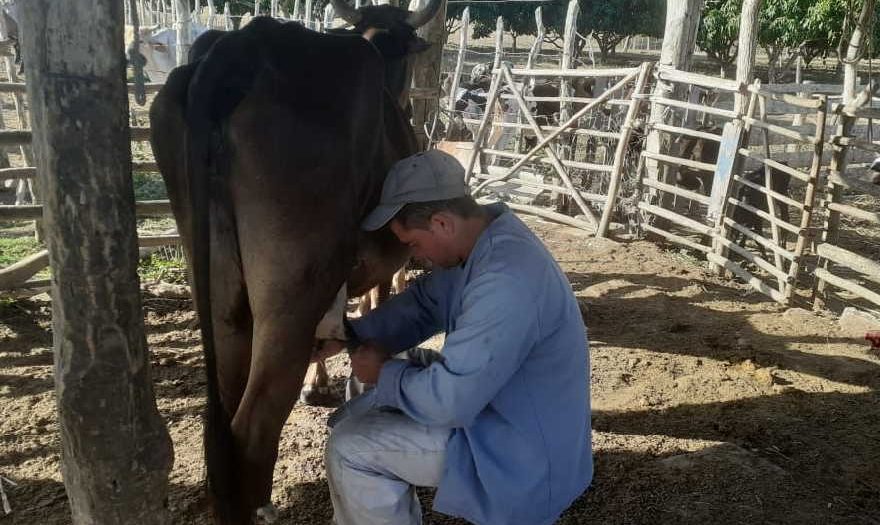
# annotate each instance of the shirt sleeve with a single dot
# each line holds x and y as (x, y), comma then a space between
(410, 317)
(494, 334)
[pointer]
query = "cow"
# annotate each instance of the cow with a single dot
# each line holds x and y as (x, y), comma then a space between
(779, 183)
(269, 175)
(158, 46)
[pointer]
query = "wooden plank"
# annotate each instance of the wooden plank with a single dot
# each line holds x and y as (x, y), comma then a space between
(669, 159)
(763, 189)
(794, 172)
(779, 130)
(677, 238)
(604, 168)
(144, 167)
(766, 216)
(23, 270)
(857, 213)
(676, 190)
(850, 259)
(847, 285)
(19, 137)
(801, 102)
(685, 77)
(593, 197)
(574, 73)
(576, 131)
(676, 218)
(21, 87)
(18, 173)
(35, 211)
(148, 241)
(750, 279)
(547, 214)
(731, 137)
(754, 259)
(763, 241)
(857, 143)
(686, 132)
(693, 107)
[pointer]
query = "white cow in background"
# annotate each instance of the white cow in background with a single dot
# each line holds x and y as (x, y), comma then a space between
(159, 48)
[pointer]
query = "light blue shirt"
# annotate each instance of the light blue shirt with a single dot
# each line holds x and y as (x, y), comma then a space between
(513, 383)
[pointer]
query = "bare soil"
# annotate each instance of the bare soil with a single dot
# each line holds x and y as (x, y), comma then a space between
(710, 404)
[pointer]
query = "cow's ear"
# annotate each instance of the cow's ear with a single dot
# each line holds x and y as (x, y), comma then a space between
(417, 45)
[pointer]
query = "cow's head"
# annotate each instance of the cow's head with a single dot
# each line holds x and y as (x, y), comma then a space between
(393, 31)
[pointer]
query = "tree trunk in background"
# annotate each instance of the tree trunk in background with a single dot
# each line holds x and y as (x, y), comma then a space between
(426, 73)
(116, 453)
(679, 39)
(748, 43)
(857, 43)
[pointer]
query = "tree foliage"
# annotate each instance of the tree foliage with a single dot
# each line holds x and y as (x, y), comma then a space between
(719, 30)
(610, 21)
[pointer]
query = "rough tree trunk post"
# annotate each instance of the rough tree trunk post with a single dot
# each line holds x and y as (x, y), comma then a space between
(745, 58)
(426, 73)
(116, 453)
(679, 38)
(854, 51)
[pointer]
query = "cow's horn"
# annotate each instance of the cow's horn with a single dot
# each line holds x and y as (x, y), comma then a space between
(348, 13)
(417, 19)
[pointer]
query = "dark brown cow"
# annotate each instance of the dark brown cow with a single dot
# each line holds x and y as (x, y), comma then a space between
(273, 146)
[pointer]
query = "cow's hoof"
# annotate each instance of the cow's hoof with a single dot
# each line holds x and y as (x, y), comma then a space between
(315, 396)
(267, 514)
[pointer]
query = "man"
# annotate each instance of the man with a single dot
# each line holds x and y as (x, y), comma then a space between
(499, 421)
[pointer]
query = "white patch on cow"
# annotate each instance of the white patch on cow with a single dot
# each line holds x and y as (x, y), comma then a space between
(331, 326)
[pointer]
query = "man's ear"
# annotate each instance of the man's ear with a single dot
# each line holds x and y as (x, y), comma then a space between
(443, 221)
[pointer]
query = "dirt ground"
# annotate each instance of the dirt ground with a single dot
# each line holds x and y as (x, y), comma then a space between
(710, 404)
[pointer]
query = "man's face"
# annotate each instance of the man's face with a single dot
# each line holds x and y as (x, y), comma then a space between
(433, 244)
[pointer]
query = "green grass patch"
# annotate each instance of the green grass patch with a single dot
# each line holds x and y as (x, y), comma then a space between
(149, 187)
(167, 265)
(13, 249)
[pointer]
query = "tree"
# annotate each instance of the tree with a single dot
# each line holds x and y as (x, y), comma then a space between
(610, 21)
(519, 18)
(115, 449)
(718, 32)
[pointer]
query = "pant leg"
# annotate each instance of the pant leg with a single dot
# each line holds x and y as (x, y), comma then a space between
(375, 460)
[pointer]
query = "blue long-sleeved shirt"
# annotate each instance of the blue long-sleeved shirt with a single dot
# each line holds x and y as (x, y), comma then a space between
(513, 383)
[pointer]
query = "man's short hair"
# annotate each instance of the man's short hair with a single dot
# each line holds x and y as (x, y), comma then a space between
(418, 214)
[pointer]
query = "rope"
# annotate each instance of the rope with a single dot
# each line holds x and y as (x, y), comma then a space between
(138, 61)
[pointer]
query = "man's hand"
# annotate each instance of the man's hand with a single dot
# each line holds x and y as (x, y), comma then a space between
(367, 361)
(327, 348)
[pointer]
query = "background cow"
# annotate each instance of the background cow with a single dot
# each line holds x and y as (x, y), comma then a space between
(779, 183)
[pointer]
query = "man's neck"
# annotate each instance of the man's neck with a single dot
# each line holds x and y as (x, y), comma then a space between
(472, 228)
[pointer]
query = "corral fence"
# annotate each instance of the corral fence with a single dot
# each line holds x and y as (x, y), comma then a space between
(613, 155)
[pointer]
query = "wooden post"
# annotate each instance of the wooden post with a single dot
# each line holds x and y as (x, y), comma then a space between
(748, 43)
(227, 18)
(856, 42)
(459, 63)
(307, 16)
(622, 146)
(329, 13)
(499, 42)
(426, 72)
(184, 36)
(680, 33)
(256, 7)
(115, 450)
(568, 46)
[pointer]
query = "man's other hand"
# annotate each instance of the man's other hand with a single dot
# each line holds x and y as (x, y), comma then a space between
(367, 361)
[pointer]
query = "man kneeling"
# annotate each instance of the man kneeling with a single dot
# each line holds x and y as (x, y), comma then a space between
(500, 421)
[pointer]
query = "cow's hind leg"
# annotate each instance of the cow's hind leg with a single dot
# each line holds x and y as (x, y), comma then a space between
(284, 328)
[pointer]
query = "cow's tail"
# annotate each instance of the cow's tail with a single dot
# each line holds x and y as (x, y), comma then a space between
(203, 132)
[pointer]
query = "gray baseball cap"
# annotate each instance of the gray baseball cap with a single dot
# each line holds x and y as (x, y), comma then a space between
(429, 176)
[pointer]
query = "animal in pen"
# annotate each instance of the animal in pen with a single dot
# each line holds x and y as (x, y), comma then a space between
(779, 183)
